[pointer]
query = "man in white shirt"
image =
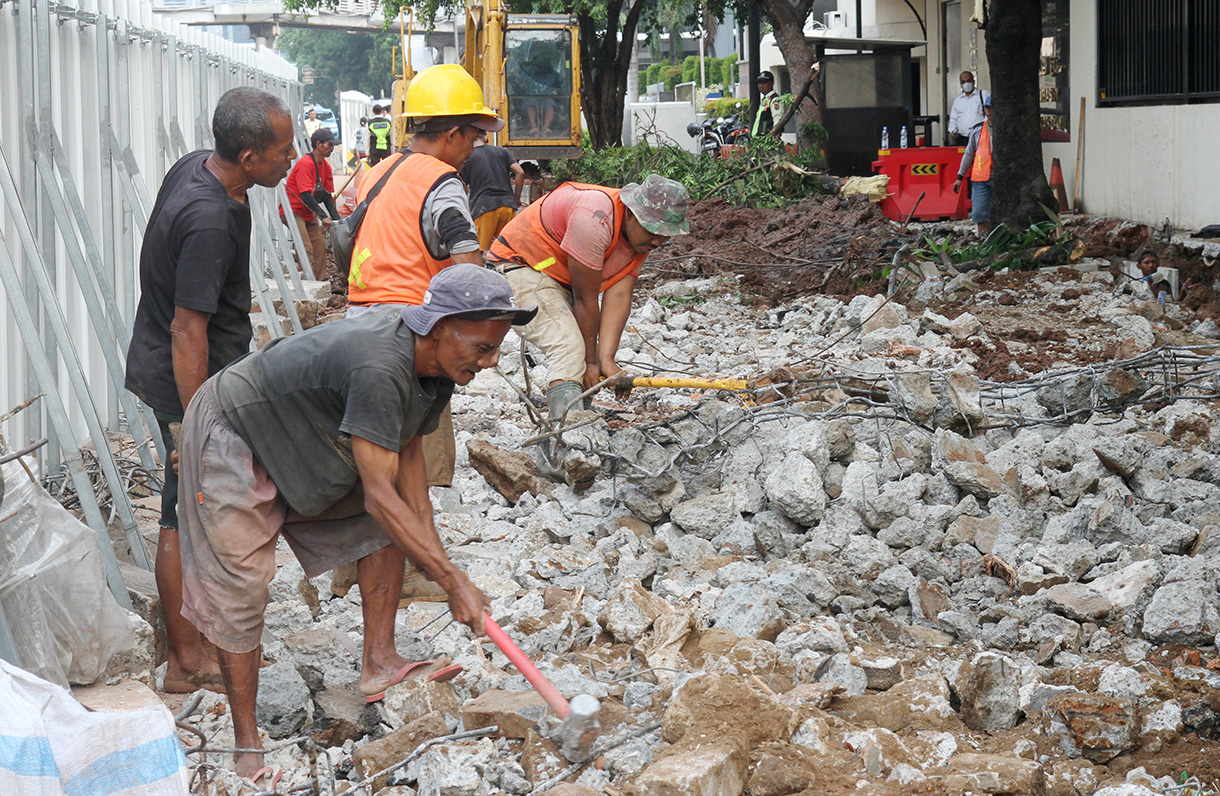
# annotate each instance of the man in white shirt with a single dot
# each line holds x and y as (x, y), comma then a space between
(967, 111)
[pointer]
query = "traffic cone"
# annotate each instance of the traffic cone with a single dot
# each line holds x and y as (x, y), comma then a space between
(1058, 186)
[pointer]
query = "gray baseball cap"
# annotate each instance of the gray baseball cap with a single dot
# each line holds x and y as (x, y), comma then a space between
(466, 288)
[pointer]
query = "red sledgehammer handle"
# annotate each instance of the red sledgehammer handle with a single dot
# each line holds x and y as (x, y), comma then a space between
(514, 653)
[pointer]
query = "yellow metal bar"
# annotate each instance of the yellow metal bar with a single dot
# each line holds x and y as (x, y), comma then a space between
(695, 384)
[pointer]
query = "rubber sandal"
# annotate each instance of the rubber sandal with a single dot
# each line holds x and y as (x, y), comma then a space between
(265, 771)
(443, 674)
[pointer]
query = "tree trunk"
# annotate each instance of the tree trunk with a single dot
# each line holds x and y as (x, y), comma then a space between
(1013, 37)
(605, 58)
(788, 23)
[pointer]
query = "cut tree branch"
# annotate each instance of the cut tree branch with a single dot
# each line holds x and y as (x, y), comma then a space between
(804, 91)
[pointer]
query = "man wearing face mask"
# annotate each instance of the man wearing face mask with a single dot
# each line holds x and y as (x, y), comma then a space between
(967, 111)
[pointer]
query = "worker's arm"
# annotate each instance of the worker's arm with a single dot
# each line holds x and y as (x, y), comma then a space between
(586, 291)
(189, 349)
(448, 208)
(967, 158)
(396, 495)
(518, 182)
(616, 306)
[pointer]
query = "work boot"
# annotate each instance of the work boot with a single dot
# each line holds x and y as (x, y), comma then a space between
(342, 579)
(549, 459)
(559, 397)
(417, 586)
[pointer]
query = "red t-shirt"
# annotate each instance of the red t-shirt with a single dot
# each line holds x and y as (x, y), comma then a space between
(303, 178)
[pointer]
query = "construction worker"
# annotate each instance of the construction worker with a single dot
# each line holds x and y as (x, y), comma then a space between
(495, 180)
(194, 312)
(360, 146)
(420, 224)
(770, 108)
(380, 130)
(579, 244)
(310, 186)
(317, 437)
(976, 164)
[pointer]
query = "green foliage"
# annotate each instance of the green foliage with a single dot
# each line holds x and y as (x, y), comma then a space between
(1003, 243)
(670, 75)
(341, 61)
(690, 69)
(726, 106)
(761, 174)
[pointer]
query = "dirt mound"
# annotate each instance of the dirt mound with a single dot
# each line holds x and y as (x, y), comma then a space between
(819, 245)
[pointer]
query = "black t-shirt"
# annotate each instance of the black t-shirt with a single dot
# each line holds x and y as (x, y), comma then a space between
(196, 255)
(487, 174)
(299, 400)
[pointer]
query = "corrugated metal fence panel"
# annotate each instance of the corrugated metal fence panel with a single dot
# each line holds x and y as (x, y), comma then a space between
(126, 94)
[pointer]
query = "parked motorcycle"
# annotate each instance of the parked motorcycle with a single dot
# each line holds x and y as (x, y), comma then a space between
(714, 133)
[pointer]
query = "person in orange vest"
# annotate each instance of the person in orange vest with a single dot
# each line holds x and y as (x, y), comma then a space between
(976, 163)
(418, 225)
(576, 254)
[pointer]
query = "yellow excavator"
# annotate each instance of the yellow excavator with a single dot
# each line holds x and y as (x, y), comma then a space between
(529, 68)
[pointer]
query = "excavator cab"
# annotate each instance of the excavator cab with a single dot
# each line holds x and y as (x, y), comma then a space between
(529, 68)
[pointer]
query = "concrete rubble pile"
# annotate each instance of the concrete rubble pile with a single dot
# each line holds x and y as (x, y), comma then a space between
(819, 596)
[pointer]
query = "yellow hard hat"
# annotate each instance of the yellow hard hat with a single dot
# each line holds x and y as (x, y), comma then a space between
(449, 90)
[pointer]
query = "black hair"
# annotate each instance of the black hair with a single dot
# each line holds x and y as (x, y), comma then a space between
(435, 135)
(376, 109)
(242, 120)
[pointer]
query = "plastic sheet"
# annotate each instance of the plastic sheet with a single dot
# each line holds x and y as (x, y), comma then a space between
(64, 622)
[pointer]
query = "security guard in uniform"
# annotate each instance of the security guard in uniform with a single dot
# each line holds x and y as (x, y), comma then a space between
(380, 129)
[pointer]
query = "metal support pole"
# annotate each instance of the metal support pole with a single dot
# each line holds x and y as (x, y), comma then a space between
(177, 139)
(46, 224)
(103, 311)
(58, 415)
(258, 213)
(76, 374)
(294, 237)
(23, 12)
(164, 155)
(125, 272)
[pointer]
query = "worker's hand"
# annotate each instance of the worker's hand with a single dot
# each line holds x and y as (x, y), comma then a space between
(593, 374)
(957, 184)
(173, 460)
(326, 222)
(467, 603)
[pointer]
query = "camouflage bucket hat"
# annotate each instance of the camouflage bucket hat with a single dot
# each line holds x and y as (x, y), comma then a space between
(659, 205)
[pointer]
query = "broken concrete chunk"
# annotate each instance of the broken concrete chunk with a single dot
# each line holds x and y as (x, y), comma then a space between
(381, 754)
(989, 689)
(511, 473)
(283, 704)
(514, 712)
(977, 479)
(778, 769)
(707, 768)
(795, 487)
(1077, 601)
(1183, 612)
(959, 407)
(706, 515)
(1092, 726)
(998, 774)
(630, 611)
(716, 705)
(745, 610)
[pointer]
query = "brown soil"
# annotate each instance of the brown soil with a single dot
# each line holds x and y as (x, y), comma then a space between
(820, 245)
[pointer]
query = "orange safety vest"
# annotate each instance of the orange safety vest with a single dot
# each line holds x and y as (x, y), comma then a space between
(981, 170)
(391, 262)
(527, 240)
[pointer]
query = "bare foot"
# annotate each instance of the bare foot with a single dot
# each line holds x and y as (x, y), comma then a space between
(181, 680)
(249, 765)
(375, 681)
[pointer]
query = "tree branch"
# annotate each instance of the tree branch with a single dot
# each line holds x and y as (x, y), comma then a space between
(778, 128)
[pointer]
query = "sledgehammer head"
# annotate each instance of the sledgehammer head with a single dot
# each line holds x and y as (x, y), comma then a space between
(580, 727)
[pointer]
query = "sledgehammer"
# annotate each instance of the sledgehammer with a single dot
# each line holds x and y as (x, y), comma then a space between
(579, 729)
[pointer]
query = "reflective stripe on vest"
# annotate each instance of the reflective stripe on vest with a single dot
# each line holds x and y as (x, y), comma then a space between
(393, 264)
(526, 240)
(981, 170)
(380, 128)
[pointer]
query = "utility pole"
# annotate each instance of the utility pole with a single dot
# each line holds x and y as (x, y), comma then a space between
(753, 35)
